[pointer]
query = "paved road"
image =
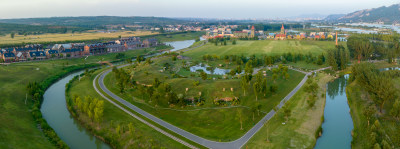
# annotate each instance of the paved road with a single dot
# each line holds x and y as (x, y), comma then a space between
(207, 143)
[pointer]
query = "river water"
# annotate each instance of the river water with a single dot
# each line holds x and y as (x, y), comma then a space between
(54, 110)
(338, 124)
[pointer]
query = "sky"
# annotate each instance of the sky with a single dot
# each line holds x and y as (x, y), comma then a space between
(226, 9)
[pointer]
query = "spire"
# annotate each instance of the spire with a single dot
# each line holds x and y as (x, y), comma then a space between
(336, 39)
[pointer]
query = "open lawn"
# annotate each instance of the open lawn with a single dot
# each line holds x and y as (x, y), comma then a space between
(180, 37)
(92, 35)
(210, 121)
(262, 47)
(299, 131)
(18, 128)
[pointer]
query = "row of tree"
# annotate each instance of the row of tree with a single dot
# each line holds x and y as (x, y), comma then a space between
(366, 47)
(92, 107)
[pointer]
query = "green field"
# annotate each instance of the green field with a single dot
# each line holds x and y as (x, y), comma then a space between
(299, 130)
(209, 120)
(18, 128)
(180, 37)
(263, 47)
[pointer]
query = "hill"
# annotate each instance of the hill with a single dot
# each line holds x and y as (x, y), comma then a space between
(21, 29)
(93, 21)
(390, 14)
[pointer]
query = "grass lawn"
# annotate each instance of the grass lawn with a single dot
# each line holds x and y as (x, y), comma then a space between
(17, 127)
(91, 35)
(262, 47)
(209, 121)
(299, 130)
(180, 37)
(143, 135)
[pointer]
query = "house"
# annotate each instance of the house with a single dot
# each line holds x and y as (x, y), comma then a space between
(132, 45)
(21, 57)
(52, 53)
(241, 34)
(151, 42)
(61, 47)
(38, 55)
(111, 48)
(73, 53)
(94, 49)
(8, 57)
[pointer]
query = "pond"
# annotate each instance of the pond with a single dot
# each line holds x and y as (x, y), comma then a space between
(338, 124)
(216, 71)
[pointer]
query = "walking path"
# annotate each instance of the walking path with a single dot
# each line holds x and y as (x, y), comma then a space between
(207, 143)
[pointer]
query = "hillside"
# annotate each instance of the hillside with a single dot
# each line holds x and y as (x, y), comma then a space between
(390, 14)
(21, 29)
(93, 21)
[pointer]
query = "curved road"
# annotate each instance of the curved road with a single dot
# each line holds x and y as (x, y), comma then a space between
(207, 143)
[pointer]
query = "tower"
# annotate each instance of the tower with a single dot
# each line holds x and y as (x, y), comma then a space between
(336, 39)
(283, 30)
(252, 33)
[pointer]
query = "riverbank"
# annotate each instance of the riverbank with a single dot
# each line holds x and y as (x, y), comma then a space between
(303, 125)
(142, 137)
(359, 101)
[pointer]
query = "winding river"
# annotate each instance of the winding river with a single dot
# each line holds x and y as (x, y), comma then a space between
(338, 123)
(54, 110)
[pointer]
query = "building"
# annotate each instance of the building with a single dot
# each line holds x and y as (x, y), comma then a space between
(94, 49)
(241, 34)
(52, 53)
(252, 32)
(8, 57)
(73, 53)
(151, 42)
(282, 34)
(38, 55)
(111, 48)
(21, 57)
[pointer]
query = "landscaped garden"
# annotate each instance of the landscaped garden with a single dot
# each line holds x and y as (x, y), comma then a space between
(208, 101)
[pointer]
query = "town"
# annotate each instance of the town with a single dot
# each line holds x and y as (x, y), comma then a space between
(73, 50)
(252, 33)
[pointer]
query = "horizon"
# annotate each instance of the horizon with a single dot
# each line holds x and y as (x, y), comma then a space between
(182, 9)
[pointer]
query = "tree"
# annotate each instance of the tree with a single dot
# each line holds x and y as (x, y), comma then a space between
(257, 89)
(243, 84)
(232, 72)
(368, 113)
(287, 112)
(131, 128)
(234, 42)
(203, 75)
(395, 112)
(239, 117)
(249, 67)
(98, 111)
(258, 106)
(12, 35)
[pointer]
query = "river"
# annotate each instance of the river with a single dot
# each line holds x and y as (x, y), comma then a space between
(54, 110)
(338, 124)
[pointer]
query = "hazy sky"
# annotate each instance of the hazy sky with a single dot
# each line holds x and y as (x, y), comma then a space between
(183, 8)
